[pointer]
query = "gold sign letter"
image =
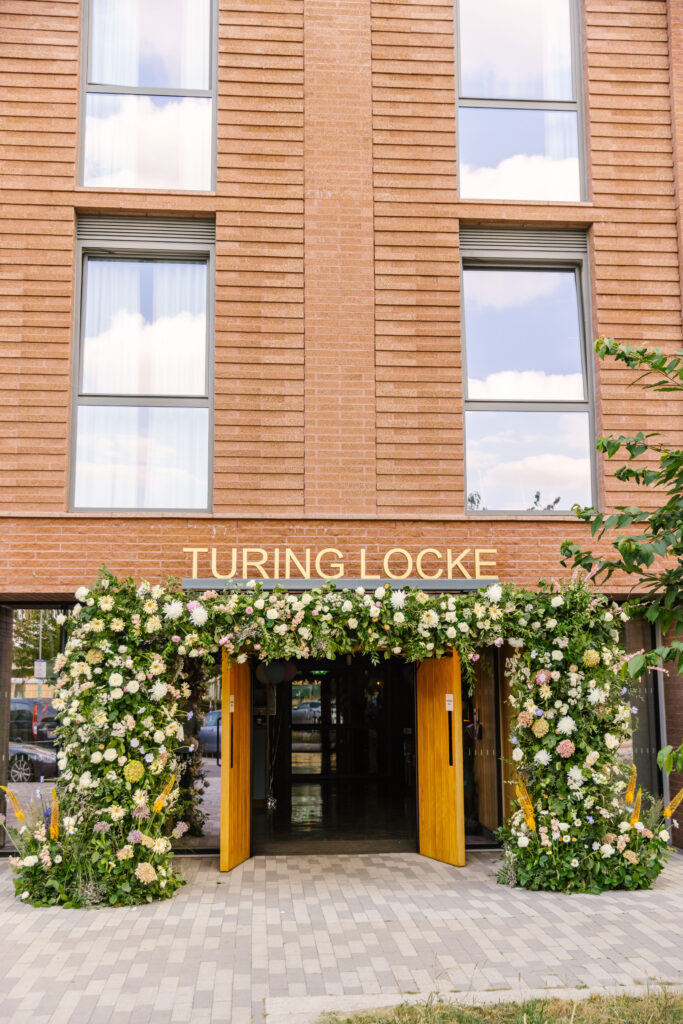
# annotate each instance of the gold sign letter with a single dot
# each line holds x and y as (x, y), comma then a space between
(291, 557)
(257, 563)
(214, 570)
(409, 563)
(418, 564)
(479, 563)
(339, 566)
(457, 561)
(364, 574)
(195, 552)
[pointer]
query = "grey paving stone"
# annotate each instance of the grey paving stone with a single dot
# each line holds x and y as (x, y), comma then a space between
(312, 928)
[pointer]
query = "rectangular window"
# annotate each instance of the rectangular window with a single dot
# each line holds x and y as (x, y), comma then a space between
(519, 111)
(142, 419)
(528, 422)
(149, 104)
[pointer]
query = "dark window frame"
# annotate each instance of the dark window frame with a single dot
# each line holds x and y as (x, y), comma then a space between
(543, 253)
(179, 251)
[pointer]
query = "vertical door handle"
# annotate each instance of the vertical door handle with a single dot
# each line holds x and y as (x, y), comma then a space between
(450, 739)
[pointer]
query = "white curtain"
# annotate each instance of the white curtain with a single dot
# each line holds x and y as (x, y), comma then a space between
(556, 35)
(141, 457)
(163, 44)
(114, 42)
(145, 328)
(142, 141)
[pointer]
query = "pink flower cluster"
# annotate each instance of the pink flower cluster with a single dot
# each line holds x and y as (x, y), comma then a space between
(565, 748)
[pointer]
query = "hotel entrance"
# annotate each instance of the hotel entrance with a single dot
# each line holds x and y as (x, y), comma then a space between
(322, 756)
(334, 756)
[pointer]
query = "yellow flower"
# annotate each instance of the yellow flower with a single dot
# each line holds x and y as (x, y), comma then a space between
(163, 796)
(54, 816)
(670, 809)
(635, 817)
(133, 771)
(591, 658)
(16, 806)
(631, 791)
(540, 727)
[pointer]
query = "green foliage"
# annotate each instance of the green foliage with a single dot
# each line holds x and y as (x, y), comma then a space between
(137, 655)
(646, 544)
(26, 638)
(571, 717)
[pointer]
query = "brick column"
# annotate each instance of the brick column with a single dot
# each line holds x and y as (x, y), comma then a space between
(675, 33)
(6, 620)
(340, 475)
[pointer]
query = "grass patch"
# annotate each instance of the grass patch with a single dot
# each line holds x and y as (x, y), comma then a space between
(654, 1008)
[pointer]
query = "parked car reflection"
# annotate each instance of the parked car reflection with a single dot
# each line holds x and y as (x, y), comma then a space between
(207, 736)
(28, 762)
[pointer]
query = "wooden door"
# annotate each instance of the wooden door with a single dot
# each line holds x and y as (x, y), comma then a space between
(441, 816)
(235, 764)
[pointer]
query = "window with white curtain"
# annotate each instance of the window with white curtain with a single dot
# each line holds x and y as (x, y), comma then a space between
(519, 110)
(149, 100)
(142, 411)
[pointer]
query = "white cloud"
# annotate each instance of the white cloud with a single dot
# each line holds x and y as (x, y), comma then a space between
(527, 385)
(520, 50)
(513, 484)
(509, 289)
(523, 177)
(133, 142)
(133, 357)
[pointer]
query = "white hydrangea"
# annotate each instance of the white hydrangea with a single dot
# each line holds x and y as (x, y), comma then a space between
(379, 593)
(81, 594)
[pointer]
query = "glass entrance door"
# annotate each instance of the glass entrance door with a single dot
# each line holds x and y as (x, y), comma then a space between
(340, 758)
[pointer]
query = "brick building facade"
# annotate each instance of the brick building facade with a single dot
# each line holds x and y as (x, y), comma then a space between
(337, 346)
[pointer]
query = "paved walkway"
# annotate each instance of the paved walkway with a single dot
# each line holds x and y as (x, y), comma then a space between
(292, 936)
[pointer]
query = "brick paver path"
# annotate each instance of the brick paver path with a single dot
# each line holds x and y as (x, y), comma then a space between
(290, 936)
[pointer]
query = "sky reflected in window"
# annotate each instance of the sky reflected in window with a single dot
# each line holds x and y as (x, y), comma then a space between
(141, 457)
(147, 142)
(522, 335)
(518, 154)
(516, 51)
(514, 456)
(145, 328)
(161, 44)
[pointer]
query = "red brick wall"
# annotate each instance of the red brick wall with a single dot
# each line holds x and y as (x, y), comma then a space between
(338, 367)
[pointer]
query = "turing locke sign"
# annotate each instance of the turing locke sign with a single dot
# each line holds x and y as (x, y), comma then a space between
(331, 563)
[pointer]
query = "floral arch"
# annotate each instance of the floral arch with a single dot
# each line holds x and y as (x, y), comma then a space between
(135, 652)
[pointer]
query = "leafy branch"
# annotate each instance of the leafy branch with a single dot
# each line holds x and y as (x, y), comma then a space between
(646, 544)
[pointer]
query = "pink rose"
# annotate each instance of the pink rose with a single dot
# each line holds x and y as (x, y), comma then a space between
(191, 605)
(175, 639)
(565, 748)
(249, 610)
